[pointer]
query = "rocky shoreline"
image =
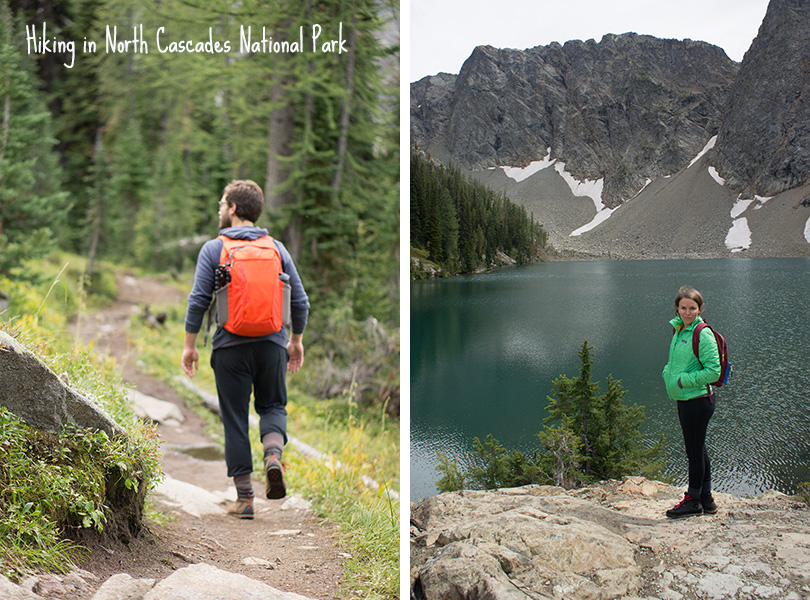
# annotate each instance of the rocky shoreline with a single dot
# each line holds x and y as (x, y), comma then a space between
(610, 540)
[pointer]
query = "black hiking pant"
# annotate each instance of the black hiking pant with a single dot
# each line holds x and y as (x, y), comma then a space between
(260, 367)
(694, 416)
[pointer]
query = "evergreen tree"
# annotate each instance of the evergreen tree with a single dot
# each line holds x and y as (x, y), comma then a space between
(32, 205)
(495, 467)
(563, 459)
(605, 427)
(587, 437)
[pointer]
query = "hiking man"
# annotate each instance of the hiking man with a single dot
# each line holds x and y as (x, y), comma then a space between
(254, 360)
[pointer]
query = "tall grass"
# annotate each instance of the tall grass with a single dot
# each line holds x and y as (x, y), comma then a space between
(362, 447)
(52, 483)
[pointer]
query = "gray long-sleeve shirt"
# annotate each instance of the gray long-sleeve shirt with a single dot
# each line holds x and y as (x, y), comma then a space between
(202, 291)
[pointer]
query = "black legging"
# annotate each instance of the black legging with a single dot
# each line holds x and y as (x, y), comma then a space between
(694, 416)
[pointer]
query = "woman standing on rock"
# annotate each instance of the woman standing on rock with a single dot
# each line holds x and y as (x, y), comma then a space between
(687, 379)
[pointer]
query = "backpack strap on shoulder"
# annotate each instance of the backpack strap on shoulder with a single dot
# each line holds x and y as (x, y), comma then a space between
(212, 308)
(696, 338)
(696, 349)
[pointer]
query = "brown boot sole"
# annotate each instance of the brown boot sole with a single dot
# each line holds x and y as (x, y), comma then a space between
(241, 516)
(275, 484)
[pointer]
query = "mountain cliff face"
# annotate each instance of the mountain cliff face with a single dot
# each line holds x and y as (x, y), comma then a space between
(626, 109)
(763, 146)
(636, 147)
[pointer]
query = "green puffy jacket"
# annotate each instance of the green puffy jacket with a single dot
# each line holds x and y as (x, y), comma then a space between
(685, 376)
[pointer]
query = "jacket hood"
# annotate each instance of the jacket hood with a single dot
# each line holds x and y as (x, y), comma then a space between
(244, 232)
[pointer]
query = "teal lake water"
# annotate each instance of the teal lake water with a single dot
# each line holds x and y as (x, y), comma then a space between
(486, 348)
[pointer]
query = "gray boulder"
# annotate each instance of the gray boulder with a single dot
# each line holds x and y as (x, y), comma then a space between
(124, 587)
(206, 582)
(195, 582)
(33, 392)
(12, 591)
(531, 542)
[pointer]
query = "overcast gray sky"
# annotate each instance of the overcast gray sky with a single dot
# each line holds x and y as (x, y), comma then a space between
(443, 33)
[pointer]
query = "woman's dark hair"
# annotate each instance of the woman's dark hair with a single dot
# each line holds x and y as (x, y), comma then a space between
(692, 294)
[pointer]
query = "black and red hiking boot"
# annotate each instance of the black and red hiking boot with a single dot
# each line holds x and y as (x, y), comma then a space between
(242, 508)
(274, 469)
(688, 507)
(709, 506)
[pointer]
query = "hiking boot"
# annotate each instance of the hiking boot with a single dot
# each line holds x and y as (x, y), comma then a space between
(274, 469)
(709, 507)
(242, 508)
(688, 507)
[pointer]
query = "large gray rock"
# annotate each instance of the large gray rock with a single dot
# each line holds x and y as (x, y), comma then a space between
(190, 498)
(463, 570)
(605, 542)
(763, 146)
(11, 591)
(154, 409)
(524, 543)
(124, 587)
(206, 582)
(195, 582)
(33, 392)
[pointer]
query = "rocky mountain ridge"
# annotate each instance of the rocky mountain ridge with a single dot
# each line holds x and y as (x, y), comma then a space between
(627, 108)
(635, 147)
(763, 145)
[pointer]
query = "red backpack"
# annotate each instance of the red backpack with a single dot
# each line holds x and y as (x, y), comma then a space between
(726, 370)
(248, 290)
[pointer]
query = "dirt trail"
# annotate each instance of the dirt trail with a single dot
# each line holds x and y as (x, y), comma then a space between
(288, 549)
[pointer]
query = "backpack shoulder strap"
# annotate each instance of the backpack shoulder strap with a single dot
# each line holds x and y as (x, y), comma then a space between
(696, 348)
(212, 307)
(226, 244)
(696, 338)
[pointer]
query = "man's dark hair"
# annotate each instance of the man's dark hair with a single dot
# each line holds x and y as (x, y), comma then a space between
(248, 198)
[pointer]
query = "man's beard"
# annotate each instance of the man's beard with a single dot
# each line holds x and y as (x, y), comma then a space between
(225, 221)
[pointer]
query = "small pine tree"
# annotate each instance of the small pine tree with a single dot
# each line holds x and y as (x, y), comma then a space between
(587, 437)
(496, 467)
(607, 428)
(502, 468)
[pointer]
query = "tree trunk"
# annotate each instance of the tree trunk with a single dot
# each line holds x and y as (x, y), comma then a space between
(344, 117)
(4, 140)
(279, 137)
(97, 220)
(6, 120)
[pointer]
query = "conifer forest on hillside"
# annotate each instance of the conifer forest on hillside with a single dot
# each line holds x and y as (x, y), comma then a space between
(462, 226)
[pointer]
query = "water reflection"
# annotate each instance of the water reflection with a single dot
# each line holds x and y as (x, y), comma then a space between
(485, 349)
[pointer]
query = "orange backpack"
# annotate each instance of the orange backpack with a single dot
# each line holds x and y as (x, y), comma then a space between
(251, 270)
